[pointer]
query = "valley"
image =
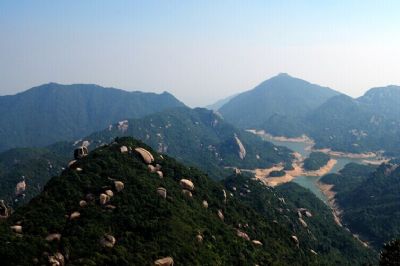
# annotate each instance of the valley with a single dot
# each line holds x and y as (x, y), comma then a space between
(303, 146)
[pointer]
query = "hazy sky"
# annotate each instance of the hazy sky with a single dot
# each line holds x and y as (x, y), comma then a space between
(200, 51)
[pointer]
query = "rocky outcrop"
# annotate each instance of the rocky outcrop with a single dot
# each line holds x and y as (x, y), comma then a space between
(123, 149)
(109, 193)
(146, 155)
(303, 223)
(242, 150)
(187, 193)
(74, 215)
(4, 211)
(220, 215)
(167, 261)
(242, 235)
(108, 241)
(20, 188)
(82, 203)
(16, 229)
(53, 237)
(205, 204)
(104, 198)
(187, 184)
(119, 186)
(295, 240)
(162, 192)
(257, 242)
(57, 259)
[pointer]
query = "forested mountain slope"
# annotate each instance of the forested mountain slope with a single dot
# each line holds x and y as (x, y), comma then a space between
(109, 209)
(53, 112)
(370, 200)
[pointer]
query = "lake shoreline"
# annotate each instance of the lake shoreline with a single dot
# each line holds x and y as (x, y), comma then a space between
(327, 190)
(367, 156)
(298, 170)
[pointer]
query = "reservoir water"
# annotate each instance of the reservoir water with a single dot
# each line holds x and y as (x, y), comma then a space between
(310, 182)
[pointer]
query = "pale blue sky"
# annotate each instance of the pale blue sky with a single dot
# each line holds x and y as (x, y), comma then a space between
(199, 50)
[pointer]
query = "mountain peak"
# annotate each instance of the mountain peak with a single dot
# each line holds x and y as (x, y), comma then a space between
(283, 74)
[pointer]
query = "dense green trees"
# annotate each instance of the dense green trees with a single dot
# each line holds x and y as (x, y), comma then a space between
(54, 112)
(315, 161)
(390, 255)
(370, 200)
(147, 226)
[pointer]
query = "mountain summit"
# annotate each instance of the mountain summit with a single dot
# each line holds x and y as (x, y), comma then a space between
(283, 95)
(53, 112)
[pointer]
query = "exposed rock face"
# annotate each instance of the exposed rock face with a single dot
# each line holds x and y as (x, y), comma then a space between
(108, 241)
(80, 152)
(20, 188)
(220, 215)
(4, 212)
(205, 204)
(313, 252)
(199, 238)
(242, 235)
(160, 174)
(53, 237)
(187, 184)
(74, 215)
(187, 193)
(151, 168)
(162, 192)
(224, 194)
(123, 125)
(257, 242)
(104, 198)
(242, 150)
(295, 240)
(146, 155)
(123, 149)
(71, 163)
(119, 186)
(16, 229)
(303, 223)
(109, 193)
(82, 203)
(57, 259)
(167, 261)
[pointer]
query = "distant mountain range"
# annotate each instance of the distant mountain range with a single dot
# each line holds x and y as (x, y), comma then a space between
(218, 104)
(109, 209)
(287, 106)
(54, 112)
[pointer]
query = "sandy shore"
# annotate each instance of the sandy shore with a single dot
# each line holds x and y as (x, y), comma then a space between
(262, 133)
(323, 170)
(308, 140)
(326, 189)
(365, 155)
(376, 162)
(298, 170)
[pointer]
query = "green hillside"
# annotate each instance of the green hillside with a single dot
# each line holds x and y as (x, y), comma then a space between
(29, 167)
(370, 200)
(53, 112)
(198, 137)
(138, 225)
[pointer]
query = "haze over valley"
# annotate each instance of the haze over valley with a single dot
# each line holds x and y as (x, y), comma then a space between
(271, 168)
